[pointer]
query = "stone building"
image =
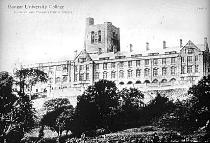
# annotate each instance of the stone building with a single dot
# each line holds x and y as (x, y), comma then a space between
(101, 58)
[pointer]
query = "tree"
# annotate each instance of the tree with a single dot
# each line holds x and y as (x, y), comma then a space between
(59, 116)
(96, 105)
(16, 112)
(28, 77)
(200, 105)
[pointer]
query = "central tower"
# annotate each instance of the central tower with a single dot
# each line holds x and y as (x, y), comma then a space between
(101, 38)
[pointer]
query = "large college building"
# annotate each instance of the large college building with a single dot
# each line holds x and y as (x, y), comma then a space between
(101, 58)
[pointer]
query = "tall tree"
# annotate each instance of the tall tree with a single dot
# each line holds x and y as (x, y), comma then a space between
(16, 112)
(96, 105)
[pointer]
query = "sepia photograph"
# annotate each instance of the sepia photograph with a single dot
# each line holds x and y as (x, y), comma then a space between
(104, 71)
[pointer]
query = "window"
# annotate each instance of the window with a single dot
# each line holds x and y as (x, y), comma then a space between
(129, 63)
(96, 66)
(189, 69)
(138, 73)
(138, 63)
(99, 36)
(182, 59)
(87, 67)
(97, 75)
(173, 59)
(196, 68)
(155, 61)
(189, 58)
(81, 67)
(121, 74)
(50, 80)
(196, 58)
(81, 77)
(147, 62)
(183, 70)
(75, 77)
(164, 61)
(146, 72)
(104, 75)
(64, 78)
(121, 64)
(113, 74)
(164, 71)
(105, 66)
(87, 76)
(58, 79)
(76, 68)
(130, 73)
(112, 65)
(190, 51)
(58, 68)
(155, 72)
(92, 37)
(173, 70)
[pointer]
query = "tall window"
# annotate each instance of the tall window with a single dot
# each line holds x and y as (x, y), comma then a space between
(97, 75)
(173, 70)
(92, 36)
(155, 61)
(138, 73)
(173, 59)
(189, 69)
(75, 77)
(182, 59)
(155, 72)
(87, 67)
(138, 63)
(164, 61)
(189, 58)
(112, 65)
(87, 76)
(65, 78)
(104, 75)
(196, 58)
(113, 74)
(164, 71)
(147, 62)
(96, 66)
(105, 66)
(99, 36)
(130, 73)
(121, 74)
(81, 67)
(76, 68)
(196, 68)
(121, 64)
(183, 70)
(129, 63)
(81, 77)
(146, 72)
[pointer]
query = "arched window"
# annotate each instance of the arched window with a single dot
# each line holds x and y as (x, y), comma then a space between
(130, 82)
(130, 72)
(146, 72)
(104, 75)
(155, 81)
(173, 80)
(155, 72)
(92, 37)
(163, 80)
(138, 82)
(138, 73)
(113, 74)
(121, 74)
(99, 36)
(97, 75)
(173, 70)
(146, 81)
(164, 71)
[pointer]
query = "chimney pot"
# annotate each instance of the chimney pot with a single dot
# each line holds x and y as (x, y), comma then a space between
(147, 46)
(164, 44)
(180, 43)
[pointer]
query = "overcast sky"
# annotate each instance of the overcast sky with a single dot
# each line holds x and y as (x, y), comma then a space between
(39, 37)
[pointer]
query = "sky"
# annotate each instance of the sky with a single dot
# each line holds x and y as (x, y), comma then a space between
(33, 36)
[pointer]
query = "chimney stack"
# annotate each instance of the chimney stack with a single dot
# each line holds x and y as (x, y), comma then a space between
(131, 47)
(89, 21)
(147, 46)
(180, 43)
(206, 44)
(164, 44)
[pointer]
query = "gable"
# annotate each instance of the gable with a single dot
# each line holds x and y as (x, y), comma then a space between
(82, 57)
(190, 46)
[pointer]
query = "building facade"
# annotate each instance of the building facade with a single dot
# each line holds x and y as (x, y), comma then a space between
(101, 58)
